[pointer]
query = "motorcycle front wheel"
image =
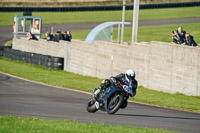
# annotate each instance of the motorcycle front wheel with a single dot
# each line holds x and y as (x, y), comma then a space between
(114, 103)
(91, 106)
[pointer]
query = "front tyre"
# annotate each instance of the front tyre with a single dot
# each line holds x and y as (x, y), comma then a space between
(114, 103)
(124, 104)
(91, 108)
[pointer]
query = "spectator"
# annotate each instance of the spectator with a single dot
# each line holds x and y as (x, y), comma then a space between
(13, 26)
(30, 36)
(190, 40)
(58, 36)
(49, 36)
(175, 37)
(181, 34)
(69, 36)
(65, 36)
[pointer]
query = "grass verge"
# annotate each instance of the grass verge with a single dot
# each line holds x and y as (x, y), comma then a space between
(85, 83)
(9, 43)
(102, 16)
(51, 77)
(34, 125)
(149, 33)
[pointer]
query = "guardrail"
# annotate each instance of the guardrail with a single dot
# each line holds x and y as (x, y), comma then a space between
(96, 8)
(50, 62)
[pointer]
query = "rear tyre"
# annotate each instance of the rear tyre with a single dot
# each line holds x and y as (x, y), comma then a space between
(114, 103)
(91, 108)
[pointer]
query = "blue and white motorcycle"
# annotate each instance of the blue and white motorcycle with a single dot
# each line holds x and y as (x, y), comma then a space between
(110, 100)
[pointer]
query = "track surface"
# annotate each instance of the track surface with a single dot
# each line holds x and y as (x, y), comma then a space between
(6, 31)
(24, 98)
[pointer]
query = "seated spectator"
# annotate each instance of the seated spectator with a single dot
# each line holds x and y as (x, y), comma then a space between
(181, 34)
(58, 36)
(67, 36)
(175, 37)
(190, 40)
(30, 36)
(49, 36)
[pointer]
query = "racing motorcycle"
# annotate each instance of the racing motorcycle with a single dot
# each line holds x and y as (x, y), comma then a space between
(111, 99)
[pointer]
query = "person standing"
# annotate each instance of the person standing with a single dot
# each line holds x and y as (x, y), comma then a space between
(31, 36)
(58, 36)
(175, 37)
(181, 34)
(13, 26)
(49, 36)
(68, 36)
(190, 40)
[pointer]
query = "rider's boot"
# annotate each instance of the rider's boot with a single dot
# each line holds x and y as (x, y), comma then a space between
(101, 87)
(97, 92)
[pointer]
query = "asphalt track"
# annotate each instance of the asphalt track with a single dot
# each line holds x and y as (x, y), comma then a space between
(6, 31)
(20, 97)
(24, 98)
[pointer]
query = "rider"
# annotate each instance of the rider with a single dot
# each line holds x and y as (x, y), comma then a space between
(125, 79)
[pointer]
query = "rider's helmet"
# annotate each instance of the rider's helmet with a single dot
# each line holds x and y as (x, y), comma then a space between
(130, 74)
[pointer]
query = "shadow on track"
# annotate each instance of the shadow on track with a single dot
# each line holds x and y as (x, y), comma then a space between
(154, 116)
(4, 77)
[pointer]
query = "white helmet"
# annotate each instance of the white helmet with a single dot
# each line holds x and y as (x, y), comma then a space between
(130, 74)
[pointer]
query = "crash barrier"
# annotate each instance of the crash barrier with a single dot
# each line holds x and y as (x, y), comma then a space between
(160, 66)
(42, 47)
(50, 62)
(96, 8)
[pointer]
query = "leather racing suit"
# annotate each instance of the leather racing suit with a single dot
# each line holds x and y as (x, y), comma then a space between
(121, 79)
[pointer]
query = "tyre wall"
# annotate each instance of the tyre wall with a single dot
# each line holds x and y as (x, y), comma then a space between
(50, 62)
(42, 47)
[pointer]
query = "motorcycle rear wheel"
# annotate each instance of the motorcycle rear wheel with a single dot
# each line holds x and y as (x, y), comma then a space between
(91, 108)
(114, 103)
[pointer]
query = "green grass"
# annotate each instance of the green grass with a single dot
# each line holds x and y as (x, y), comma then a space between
(9, 43)
(34, 125)
(162, 33)
(149, 33)
(85, 83)
(55, 78)
(177, 101)
(102, 16)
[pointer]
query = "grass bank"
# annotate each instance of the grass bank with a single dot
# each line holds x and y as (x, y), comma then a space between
(85, 83)
(9, 43)
(34, 125)
(102, 16)
(149, 33)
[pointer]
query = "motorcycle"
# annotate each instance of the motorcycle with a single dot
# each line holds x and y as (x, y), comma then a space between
(111, 99)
